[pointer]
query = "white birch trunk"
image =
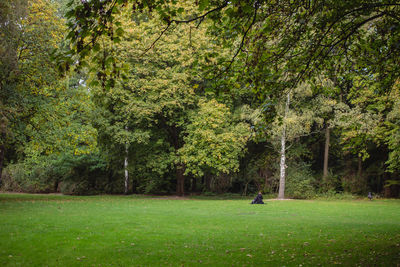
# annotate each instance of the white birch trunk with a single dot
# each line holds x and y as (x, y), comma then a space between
(282, 178)
(126, 165)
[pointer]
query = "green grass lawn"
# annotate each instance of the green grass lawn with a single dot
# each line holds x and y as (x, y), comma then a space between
(52, 230)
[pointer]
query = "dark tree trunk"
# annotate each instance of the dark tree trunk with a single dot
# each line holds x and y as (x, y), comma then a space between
(265, 181)
(326, 152)
(359, 171)
(194, 185)
(207, 180)
(180, 180)
(56, 186)
(245, 189)
(176, 142)
(2, 152)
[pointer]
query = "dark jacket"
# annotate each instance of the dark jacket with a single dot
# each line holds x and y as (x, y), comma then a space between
(258, 200)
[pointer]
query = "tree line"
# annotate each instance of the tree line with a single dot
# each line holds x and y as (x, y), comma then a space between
(294, 98)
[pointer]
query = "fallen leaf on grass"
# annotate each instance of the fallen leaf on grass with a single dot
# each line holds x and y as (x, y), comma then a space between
(249, 255)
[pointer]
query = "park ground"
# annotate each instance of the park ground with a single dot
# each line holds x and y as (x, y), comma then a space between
(57, 230)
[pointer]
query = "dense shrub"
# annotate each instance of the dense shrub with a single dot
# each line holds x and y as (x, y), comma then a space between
(31, 176)
(68, 174)
(299, 182)
(331, 183)
(83, 175)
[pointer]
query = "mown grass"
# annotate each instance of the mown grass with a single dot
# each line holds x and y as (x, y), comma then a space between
(52, 230)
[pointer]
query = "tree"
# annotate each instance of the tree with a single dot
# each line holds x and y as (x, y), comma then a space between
(153, 109)
(292, 123)
(30, 30)
(329, 27)
(215, 140)
(268, 38)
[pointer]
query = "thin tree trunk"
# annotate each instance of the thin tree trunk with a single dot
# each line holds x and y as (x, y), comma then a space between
(245, 189)
(180, 180)
(126, 170)
(282, 179)
(281, 194)
(194, 184)
(126, 166)
(326, 152)
(359, 171)
(2, 152)
(207, 180)
(265, 181)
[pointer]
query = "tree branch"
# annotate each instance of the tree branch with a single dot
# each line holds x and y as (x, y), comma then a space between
(169, 22)
(242, 42)
(155, 41)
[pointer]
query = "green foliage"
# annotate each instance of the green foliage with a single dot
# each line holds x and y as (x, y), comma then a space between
(64, 173)
(83, 175)
(333, 183)
(30, 30)
(159, 107)
(392, 136)
(300, 182)
(63, 124)
(214, 142)
(188, 86)
(33, 177)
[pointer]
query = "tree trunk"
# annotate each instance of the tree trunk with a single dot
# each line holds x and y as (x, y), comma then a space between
(126, 165)
(2, 152)
(245, 189)
(207, 181)
(194, 185)
(281, 194)
(359, 171)
(265, 182)
(126, 170)
(326, 153)
(180, 180)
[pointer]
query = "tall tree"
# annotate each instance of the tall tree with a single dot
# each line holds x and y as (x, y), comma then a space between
(151, 110)
(30, 30)
(270, 36)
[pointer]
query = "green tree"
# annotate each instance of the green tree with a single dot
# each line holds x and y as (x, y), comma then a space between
(30, 30)
(148, 114)
(276, 45)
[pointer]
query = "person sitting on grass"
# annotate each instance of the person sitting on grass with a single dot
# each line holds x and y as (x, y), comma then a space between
(258, 199)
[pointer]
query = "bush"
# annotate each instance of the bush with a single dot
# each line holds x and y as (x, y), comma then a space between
(83, 175)
(331, 183)
(299, 182)
(68, 174)
(30, 177)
